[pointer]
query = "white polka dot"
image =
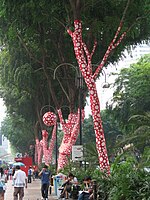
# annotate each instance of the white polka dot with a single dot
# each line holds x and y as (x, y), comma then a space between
(101, 159)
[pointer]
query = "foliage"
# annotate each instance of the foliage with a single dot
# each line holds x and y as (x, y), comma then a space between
(131, 102)
(90, 154)
(145, 159)
(132, 93)
(88, 130)
(18, 133)
(111, 131)
(129, 182)
(141, 130)
(128, 179)
(34, 43)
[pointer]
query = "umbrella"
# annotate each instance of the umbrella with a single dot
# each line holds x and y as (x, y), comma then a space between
(18, 164)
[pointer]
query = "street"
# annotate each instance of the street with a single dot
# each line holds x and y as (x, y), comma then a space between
(32, 192)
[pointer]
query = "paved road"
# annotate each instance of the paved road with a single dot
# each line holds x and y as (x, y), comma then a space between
(31, 193)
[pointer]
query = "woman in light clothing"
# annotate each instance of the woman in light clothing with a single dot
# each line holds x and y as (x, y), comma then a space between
(3, 180)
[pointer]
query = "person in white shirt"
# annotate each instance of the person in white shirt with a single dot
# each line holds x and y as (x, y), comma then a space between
(20, 181)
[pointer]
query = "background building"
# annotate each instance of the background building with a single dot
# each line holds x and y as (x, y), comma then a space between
(4, 148)
(5, 154)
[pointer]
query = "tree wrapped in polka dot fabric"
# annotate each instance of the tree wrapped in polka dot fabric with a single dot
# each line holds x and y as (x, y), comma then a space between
(71, 131)
(84, 59)
(52, 144)
(39, 151)
(45, 145)
(85, 67)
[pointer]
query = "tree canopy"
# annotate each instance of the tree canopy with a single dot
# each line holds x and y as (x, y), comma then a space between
(132, 93)
(131, 100)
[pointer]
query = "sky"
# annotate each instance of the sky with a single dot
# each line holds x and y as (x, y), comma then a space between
(104, 94)
(2, 110)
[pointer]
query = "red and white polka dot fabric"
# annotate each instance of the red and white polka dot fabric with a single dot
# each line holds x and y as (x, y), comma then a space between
(45, 145)
(43, 149)
(47, 151)
(52, 144)
(84, 58)
(71, 131)
(49, 118)
(39, 148)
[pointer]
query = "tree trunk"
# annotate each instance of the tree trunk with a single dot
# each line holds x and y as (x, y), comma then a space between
(71, 130)
(86, 70)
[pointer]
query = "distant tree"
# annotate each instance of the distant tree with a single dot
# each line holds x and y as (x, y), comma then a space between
(111, 130)
(132, 93)
(140, 136)
(131, 105)
(18, 132)
(88, 130)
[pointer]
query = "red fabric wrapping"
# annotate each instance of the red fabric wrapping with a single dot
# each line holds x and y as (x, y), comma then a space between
(71, 130)
(85, 68)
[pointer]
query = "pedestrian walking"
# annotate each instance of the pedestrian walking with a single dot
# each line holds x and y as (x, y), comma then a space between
(45, 181)
(20, 181)
(10, 172)
(29, 174)
(3, 180)
(6, 173)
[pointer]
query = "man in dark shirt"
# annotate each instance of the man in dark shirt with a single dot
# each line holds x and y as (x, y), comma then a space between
(29, 174)
(45, 181)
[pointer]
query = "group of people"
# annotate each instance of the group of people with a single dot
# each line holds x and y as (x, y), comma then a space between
(19, 179)
(71, 188)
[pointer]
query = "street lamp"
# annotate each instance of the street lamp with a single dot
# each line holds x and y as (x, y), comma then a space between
(105, 84)
(79, 84)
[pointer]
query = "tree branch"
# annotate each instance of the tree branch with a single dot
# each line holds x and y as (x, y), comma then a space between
(112, 44)
(125, 11)
(76, 8)
(31, 55)
(64, 90)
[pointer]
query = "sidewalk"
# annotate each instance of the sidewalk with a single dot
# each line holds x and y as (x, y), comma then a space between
(32, 192)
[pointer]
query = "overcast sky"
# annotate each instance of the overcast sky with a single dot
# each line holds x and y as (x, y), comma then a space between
(2, 110)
